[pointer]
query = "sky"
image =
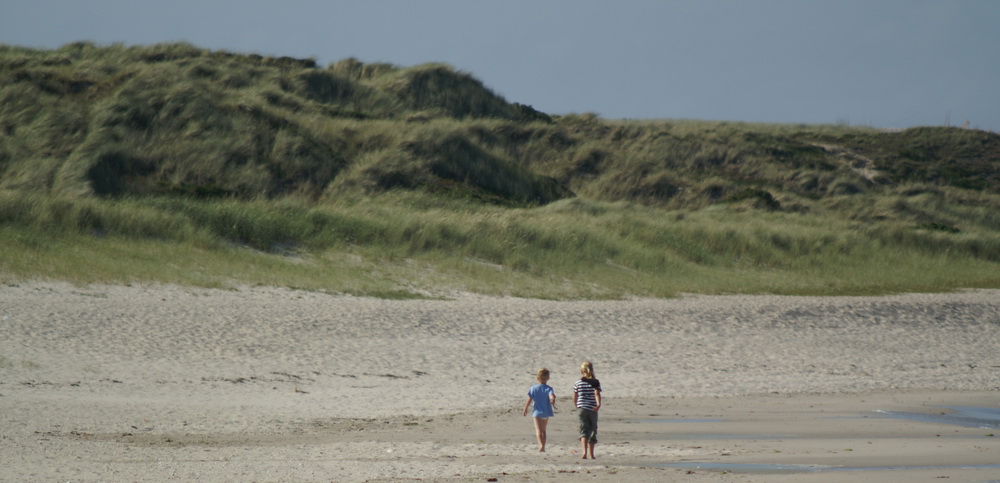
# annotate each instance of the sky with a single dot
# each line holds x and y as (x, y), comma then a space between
(880, 63)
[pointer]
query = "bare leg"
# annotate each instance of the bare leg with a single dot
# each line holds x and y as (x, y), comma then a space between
(591, 446)
(583, 441)
(540, 425)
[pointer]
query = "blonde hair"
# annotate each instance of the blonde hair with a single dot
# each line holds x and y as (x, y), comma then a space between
(543, 374)
(587, 370)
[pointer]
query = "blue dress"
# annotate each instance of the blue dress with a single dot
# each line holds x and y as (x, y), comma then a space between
(539, 394)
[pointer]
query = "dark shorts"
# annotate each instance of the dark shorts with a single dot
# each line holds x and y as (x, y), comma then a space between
(588, 424)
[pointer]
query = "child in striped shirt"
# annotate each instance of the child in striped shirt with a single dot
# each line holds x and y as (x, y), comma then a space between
(587, 397)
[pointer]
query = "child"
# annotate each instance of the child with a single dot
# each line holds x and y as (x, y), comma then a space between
(544, 399)
(587, 397)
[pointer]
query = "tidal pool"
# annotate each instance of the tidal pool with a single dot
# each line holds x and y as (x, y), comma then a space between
(967, 416)
(787, 469)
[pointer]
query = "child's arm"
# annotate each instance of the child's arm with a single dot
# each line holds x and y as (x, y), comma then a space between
(526, 406)
(597, 394)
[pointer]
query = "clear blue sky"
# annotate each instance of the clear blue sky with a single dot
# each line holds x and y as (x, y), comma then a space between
(885, 63)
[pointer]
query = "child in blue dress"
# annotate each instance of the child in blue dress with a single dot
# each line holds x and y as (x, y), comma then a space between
(544, 399)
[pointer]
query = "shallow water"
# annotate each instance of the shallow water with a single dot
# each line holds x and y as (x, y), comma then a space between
(967, 416)
(789, 469)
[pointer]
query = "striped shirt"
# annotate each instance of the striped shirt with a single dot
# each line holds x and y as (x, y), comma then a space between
(586, 393)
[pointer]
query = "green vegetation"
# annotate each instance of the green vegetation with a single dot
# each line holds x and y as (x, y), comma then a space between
(170, 163)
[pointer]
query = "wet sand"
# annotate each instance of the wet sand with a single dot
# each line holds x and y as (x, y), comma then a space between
(154, 383)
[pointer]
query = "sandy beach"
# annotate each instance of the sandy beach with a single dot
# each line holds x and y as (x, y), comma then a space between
(159, 383)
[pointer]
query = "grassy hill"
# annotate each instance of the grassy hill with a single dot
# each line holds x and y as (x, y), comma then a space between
(177, 164)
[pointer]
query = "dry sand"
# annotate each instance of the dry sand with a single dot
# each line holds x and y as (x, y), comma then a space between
(155, 383)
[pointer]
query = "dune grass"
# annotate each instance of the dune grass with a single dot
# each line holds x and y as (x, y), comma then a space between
(411, 244)
(174, 164)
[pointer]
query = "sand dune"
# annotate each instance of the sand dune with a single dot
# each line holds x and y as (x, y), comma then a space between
(150, 383)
